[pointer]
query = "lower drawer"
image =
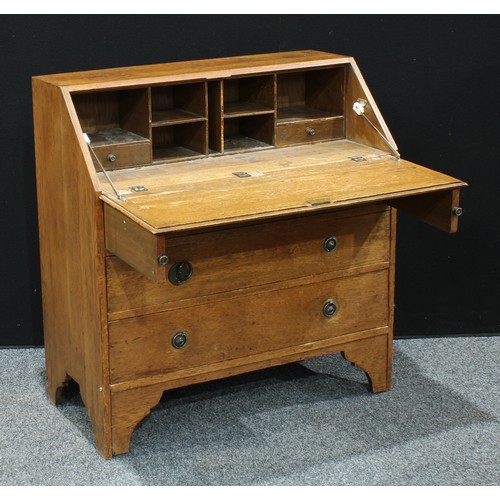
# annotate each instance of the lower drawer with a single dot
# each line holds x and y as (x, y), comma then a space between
(246, 325)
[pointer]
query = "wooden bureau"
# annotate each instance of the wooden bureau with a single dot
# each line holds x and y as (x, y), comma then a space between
(203, 219)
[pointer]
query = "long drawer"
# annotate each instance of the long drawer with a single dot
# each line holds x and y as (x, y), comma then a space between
(246, 325)
(244, 257)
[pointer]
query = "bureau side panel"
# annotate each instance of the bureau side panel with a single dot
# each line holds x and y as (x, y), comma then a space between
(72, 260)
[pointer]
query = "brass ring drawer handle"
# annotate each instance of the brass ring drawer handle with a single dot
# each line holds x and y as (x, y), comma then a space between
(330, 244)
(179, 273)
(111, 157)
(179, 340)
(330, 308)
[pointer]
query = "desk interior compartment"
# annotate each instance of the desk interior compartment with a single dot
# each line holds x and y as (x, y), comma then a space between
(176, 104)
(249, 96)
(179, 121)
(307, 98)
(181, 141)
(245, 133)
(242, 113)
(117, 124)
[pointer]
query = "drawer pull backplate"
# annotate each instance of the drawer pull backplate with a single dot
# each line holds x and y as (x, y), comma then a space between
(330, 308)
(179, 273)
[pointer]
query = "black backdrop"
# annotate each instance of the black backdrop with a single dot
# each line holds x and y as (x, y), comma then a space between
(435, 80)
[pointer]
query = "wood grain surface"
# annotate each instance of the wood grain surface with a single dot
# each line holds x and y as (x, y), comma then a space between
(225, 67)
(72, 261)
(284, 180)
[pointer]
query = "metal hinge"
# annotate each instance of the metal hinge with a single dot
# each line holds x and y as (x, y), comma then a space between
(319, 201)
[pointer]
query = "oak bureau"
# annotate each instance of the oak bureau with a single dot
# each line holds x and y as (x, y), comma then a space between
(203, 219)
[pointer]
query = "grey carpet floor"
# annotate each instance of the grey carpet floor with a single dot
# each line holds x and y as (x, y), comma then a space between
(309, 423)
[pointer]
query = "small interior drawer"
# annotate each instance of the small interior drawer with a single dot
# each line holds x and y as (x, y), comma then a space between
(246, 325)
(309, 131)
(113, 156)
(231, 259)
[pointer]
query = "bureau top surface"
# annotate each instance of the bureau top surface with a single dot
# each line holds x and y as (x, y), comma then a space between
(192, 70)
(240, 187)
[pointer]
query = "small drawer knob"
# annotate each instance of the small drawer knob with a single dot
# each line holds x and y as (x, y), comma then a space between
(163, 260)
(330, 244)
(179, 340)
(458, 211)
(179, 273)
(329, 309)
(310, 131)
(111, 157)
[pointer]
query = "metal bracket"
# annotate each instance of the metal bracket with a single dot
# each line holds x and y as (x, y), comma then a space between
(319, 201)
(359, 108)
(118, 195)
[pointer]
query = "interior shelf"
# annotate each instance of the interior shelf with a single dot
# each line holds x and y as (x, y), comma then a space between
(174, 153)
(114, 136)
(235, 109)
(297, 113)
(174, 117)
(239, 143)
